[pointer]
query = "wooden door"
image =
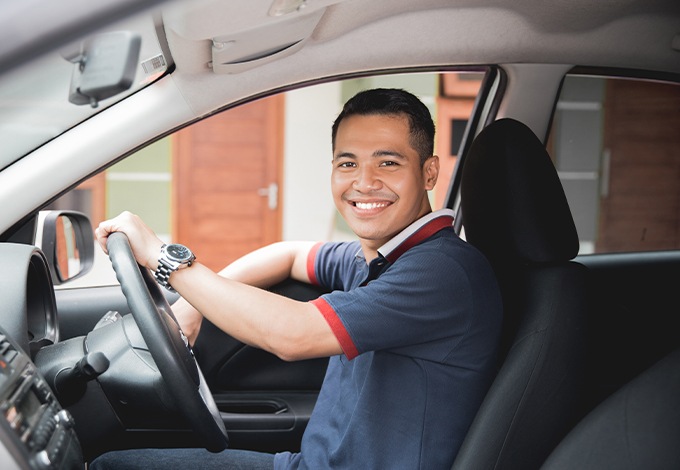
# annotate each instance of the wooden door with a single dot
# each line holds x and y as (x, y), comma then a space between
(640, 208)
(225, 172)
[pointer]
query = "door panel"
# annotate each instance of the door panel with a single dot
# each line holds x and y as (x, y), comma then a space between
(267, 401)
(230, 365)
(634, 319)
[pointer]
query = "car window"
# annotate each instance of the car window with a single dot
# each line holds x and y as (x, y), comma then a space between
(260, 172)
(616, 146)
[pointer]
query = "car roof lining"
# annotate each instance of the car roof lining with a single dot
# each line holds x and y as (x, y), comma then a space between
(454, 36)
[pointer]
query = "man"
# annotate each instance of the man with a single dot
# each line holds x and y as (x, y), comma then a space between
(411, 325)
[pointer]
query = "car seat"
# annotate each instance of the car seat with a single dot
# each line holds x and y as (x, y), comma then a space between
(638, 427)
(515, 212)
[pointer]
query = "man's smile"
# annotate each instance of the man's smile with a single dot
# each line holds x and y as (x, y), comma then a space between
(368, 209)
(363, 206)
(370, 205)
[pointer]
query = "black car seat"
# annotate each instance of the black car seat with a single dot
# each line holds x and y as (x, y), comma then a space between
(515, 212)
(638, 427)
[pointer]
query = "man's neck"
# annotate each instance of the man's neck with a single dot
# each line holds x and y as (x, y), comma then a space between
(370, 253)
(370, 247)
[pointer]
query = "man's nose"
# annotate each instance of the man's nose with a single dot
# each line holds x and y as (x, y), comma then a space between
(367, 179)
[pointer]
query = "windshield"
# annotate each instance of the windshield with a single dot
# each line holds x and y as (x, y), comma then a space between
(34, 105)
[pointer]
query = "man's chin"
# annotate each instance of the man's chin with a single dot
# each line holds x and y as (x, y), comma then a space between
(373, 235)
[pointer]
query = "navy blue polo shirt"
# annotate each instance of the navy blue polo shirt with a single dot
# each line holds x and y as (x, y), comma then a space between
(419, 327)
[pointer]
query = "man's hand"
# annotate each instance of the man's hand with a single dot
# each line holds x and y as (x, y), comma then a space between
(146, 246)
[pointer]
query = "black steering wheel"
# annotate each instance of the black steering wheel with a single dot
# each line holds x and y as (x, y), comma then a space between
(168, 345)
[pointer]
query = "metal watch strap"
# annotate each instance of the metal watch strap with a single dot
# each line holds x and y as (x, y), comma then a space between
(162, 275)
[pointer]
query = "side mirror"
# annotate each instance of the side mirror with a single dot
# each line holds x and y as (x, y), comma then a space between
(68, 244)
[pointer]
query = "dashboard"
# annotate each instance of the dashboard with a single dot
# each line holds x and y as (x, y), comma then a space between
(36, 433)
(28, 311)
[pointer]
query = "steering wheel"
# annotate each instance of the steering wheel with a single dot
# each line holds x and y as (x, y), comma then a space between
(168, 345)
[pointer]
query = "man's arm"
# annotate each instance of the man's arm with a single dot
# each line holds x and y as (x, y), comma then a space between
(290, 329)
(262, 268)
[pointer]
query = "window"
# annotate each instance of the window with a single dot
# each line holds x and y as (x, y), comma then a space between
(616, 146)
(260, 172)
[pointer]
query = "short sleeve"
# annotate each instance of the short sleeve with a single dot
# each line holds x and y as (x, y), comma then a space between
(334, 264)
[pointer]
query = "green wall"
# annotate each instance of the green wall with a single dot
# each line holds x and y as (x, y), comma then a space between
(141, 184)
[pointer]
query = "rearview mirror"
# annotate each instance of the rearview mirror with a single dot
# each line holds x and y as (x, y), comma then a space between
(105, 65)
(68, 244)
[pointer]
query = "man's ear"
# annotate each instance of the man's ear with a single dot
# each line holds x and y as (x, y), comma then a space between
(431, 172)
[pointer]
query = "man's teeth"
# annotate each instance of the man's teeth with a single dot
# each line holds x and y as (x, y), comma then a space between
(370, 205)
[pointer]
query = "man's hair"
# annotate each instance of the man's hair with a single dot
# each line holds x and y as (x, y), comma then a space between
(394, 102)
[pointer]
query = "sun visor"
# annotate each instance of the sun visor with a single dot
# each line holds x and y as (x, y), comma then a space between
(246, 49)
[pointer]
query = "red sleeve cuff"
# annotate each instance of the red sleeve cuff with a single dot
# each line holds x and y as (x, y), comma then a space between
(337, 327)
(311, 258)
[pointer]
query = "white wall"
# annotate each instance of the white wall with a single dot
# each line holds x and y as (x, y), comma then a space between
(308, 209)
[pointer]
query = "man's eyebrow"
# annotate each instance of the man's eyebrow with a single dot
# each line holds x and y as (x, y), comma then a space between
(389, 153)
(377, 153)
(344, 155)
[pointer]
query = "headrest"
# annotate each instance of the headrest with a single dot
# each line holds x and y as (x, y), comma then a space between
(514, 207)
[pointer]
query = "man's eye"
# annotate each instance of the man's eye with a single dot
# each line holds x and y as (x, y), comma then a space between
(388, 163)
(346, 165)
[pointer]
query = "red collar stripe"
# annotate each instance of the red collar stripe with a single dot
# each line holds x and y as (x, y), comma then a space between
(311, 258)
(426, 231)
(337, 327)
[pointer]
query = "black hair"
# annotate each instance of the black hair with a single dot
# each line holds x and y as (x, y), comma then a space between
(392, 101)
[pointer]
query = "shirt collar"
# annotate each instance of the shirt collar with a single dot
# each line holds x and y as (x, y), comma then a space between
(418, 231)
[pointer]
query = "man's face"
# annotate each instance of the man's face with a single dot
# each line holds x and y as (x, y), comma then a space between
(378, 184)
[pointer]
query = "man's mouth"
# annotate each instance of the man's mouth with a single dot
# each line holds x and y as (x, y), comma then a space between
(369, 205)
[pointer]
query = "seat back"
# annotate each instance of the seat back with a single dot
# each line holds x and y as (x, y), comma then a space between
(515, 212)
(637, 427)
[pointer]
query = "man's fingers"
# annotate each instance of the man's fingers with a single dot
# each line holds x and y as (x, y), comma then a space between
(102, 233)
(101, 237)
(96, 237)
(144, 243)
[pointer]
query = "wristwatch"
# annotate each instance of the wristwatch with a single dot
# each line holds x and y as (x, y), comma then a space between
(173, 257)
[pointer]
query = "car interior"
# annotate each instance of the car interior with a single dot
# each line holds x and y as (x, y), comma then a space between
(565, 174)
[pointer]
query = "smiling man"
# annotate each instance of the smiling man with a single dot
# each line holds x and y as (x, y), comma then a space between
(411, 325)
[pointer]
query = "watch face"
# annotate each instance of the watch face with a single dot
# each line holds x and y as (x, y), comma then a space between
(178, 252)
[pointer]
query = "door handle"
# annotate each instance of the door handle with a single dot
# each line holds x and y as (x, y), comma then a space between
(272, 192)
